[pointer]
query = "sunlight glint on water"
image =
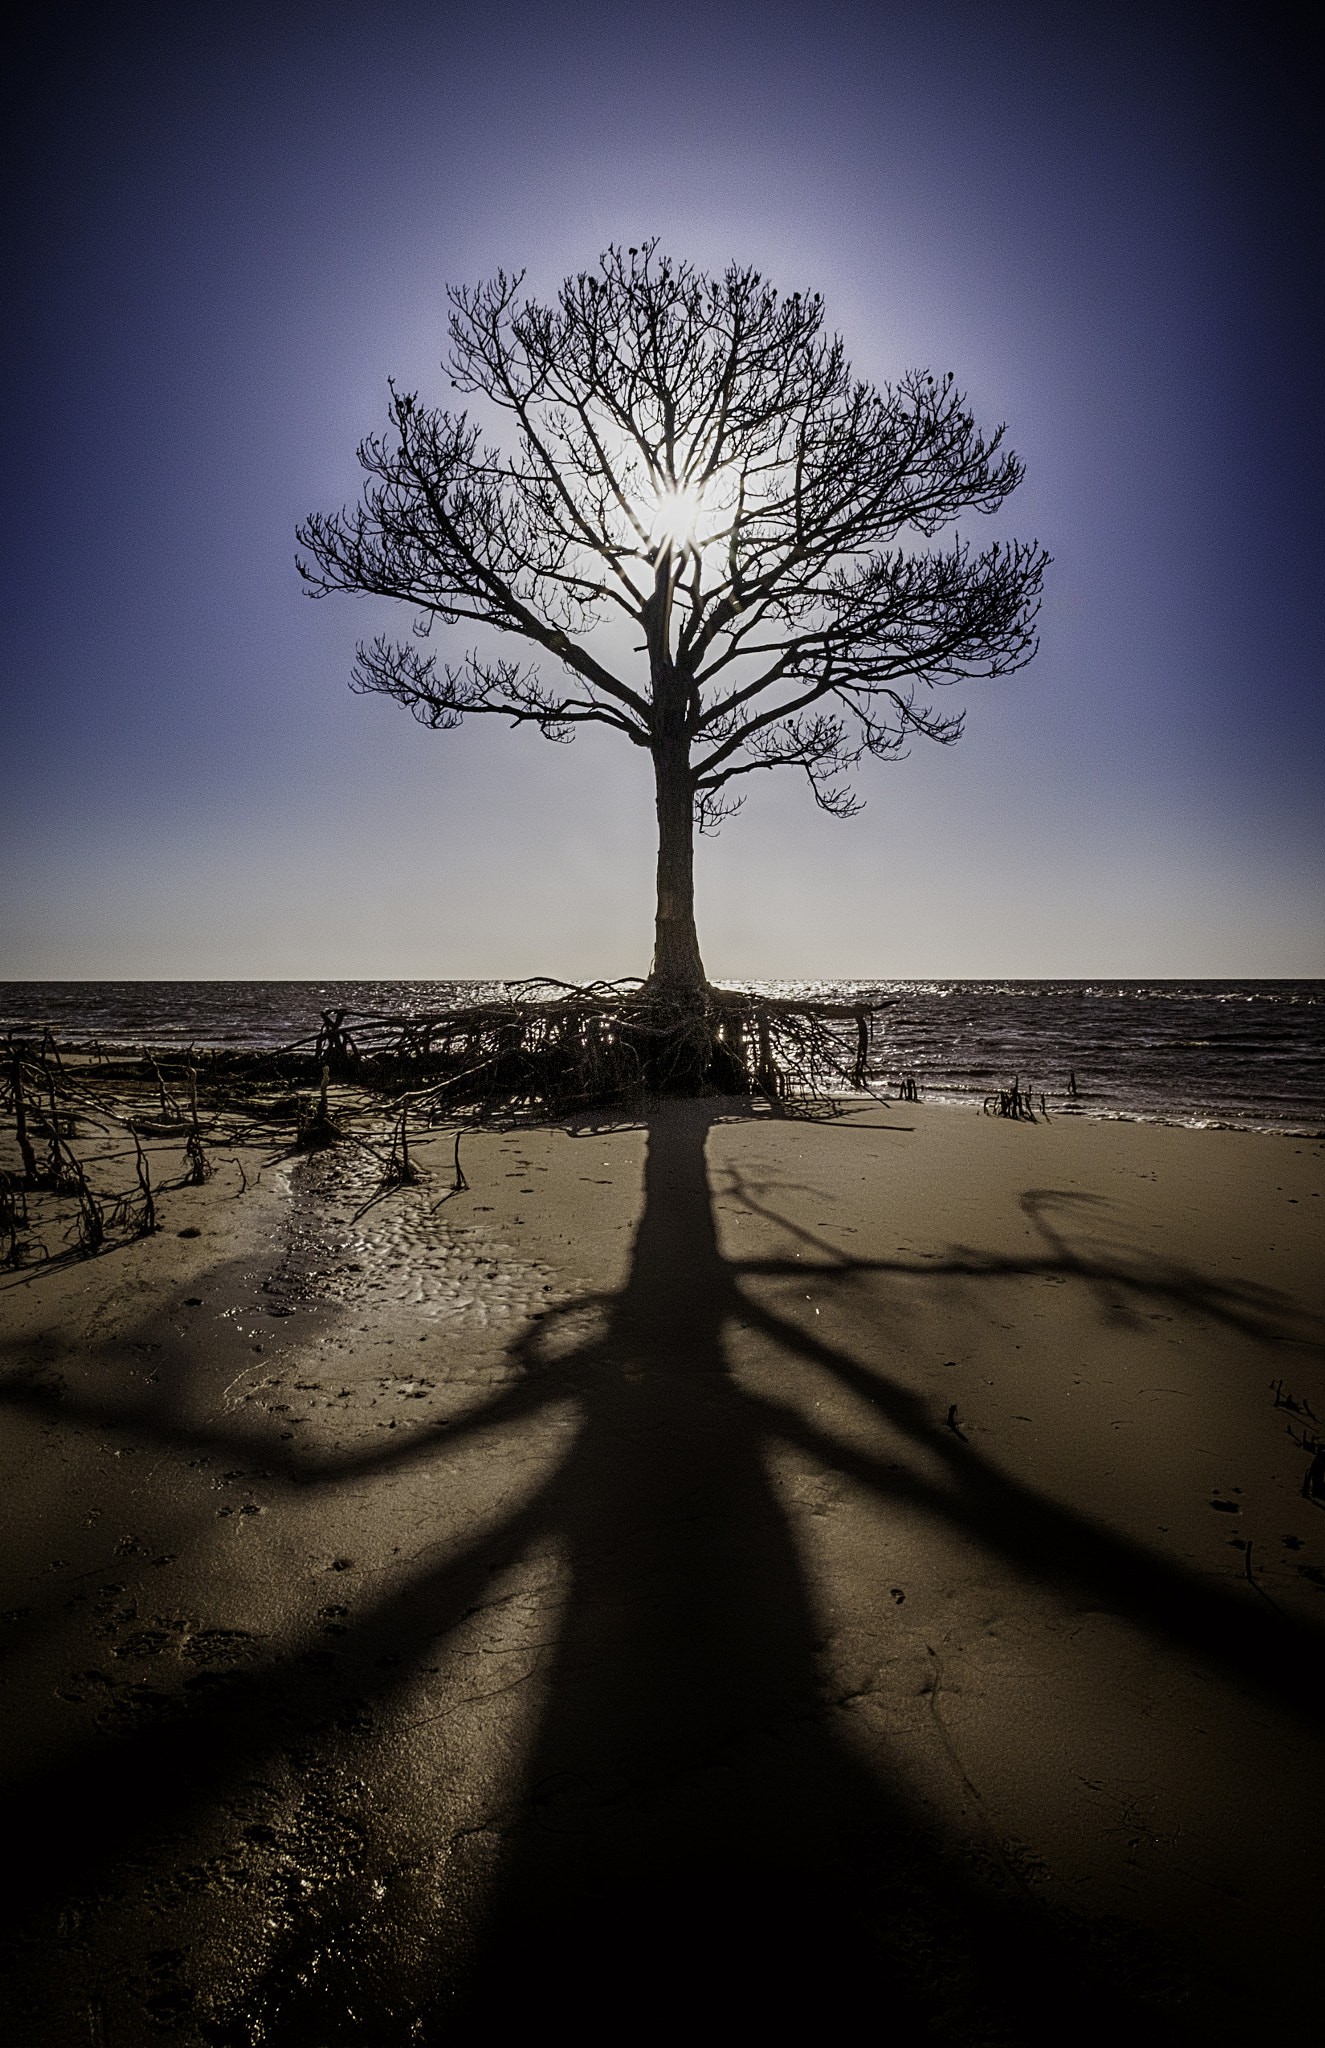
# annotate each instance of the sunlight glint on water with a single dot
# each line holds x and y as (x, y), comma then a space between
(1224, 1052)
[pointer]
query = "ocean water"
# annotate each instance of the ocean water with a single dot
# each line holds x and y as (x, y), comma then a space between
(1238, 1053)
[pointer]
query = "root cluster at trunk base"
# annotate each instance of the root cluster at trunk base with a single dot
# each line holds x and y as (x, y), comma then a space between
(552, 1047)
(91, 1136)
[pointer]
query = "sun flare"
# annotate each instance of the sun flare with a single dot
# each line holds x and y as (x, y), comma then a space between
(676, 518)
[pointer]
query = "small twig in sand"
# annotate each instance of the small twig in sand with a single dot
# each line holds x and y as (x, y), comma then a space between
(54, 1160)
(992, 1838)
(147, 1221)
(400, 1168)
(1246, 1566)
(1286, 1400)
(169, 1106)
(459, 1185)
(26, 1152)
(13, 1218)
(91, 1222)
(200, 1169)
(1313, 1483)
(318, 1127)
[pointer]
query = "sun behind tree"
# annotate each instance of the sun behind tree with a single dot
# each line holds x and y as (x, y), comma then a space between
(691, 453)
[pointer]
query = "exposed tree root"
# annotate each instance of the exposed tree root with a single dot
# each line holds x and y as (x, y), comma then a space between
(554, 1047)
(544, 1050)
(1016, 1102)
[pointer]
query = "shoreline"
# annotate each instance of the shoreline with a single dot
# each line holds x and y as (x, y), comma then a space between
(1238, 1053)
(713, 1495)
(1060, 1104)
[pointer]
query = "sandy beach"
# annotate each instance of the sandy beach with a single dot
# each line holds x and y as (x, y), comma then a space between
(715, 1558)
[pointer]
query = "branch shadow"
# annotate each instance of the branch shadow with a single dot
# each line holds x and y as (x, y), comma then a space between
(692, 1832)
(694, 1826)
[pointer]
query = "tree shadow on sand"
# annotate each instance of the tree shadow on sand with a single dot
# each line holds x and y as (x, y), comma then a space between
(696, 1842)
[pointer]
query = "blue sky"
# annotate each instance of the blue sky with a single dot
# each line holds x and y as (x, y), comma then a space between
(228, 226)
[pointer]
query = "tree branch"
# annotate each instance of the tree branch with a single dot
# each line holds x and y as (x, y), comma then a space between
(797, 623)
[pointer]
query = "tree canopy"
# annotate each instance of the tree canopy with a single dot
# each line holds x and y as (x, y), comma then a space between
(693, 455)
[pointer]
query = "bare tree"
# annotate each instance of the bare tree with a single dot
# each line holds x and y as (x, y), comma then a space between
(694, 454)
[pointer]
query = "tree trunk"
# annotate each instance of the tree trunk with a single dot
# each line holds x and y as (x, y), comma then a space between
(677, 967)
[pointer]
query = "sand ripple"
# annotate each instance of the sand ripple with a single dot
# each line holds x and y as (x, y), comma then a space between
(401, 1251)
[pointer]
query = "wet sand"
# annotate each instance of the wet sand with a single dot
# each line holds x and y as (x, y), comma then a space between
(720, 1564)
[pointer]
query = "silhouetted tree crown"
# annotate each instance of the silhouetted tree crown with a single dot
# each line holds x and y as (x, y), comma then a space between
(694, 454)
